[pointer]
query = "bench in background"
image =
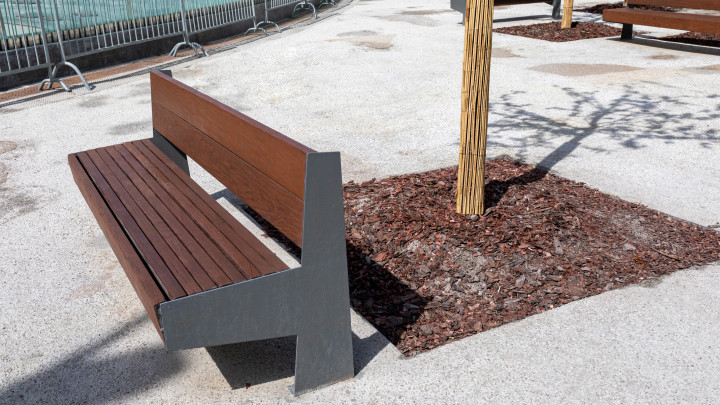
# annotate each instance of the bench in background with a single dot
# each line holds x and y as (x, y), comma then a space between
(630, 15)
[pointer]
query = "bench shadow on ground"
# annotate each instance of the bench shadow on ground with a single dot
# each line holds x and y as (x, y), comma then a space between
(90, 375)
(251, 363)
(631, 121)
(273, 359)
(655, 42)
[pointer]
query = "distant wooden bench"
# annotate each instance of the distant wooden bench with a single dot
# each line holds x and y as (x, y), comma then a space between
(630, 15)
(203, 278)
(461, 5)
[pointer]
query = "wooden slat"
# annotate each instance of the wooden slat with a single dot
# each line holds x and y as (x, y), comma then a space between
(277, 156)
(276, 204)
(194, 242)
(142, 227)
(692, 4)
(165, 277)
(238, 243)
(129, 194)
(184, 219)
(142, 281)
(679, 21)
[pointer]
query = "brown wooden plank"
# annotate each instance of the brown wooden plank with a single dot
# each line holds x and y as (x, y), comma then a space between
(129, 192)
(179, 220)
(140, 278)
(165, 278)
(223, 226)
(692, 4)
(147, 220)
(679, 21)
(247, 259)
(275, 203)
(277, 156)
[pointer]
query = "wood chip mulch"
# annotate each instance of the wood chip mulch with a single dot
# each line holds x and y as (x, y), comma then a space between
(599, 8)
(553, 32)
(695, 38)
(425, 275)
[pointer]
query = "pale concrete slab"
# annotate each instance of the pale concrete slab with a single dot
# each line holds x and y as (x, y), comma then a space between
(381, 83)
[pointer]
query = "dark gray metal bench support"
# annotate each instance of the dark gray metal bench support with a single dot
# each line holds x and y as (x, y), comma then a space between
(311, 302)
(627, 31)
(557, 10)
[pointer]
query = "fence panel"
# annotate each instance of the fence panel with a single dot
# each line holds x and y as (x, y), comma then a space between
(84, 27)
(22, 37)
(203, 15)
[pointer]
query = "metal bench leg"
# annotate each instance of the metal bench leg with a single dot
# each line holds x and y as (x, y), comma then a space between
(324, 338)
(556, 13)
(627, 32)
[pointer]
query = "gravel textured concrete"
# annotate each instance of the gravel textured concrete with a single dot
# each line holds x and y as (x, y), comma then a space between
(380, 82)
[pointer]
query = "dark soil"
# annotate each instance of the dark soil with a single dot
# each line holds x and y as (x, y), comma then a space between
(553, 32)
(695, 38)
(598, 9)
(425, 275)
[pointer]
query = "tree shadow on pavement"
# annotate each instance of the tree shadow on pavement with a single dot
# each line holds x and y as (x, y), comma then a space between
(630, 121)
(90, 375)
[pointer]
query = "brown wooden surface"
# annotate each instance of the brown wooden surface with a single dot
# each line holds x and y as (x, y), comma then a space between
(161, 271)
(513, 2)
(232, 237)
(176, 224)
(188, 243)
(680, 21)
(693, 4)
(277, 156)
(274, 202)
(142, 281)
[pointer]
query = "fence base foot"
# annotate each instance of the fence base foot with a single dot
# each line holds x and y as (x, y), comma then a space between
(302, 6)
(194, 45)
(324, 2)
(53, 77)
(258, 27)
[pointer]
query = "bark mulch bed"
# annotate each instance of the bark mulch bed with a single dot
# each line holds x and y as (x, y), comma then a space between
(425, 275)
(553, 32)
(598, 9)
(695, 38)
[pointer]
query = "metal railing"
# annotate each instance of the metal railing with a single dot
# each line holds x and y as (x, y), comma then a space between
(77, 28)
(203, 15)
(300, 5)
(22, 37)
(85, 27)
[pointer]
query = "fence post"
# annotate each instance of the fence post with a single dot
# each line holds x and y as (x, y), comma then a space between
(186, 36)
(52, 77)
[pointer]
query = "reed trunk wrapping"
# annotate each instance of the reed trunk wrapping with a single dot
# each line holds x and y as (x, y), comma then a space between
(567, 14)
(474, 109)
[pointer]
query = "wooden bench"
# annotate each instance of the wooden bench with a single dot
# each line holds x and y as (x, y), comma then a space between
(203, 278)
(630, 15)
(461, 5)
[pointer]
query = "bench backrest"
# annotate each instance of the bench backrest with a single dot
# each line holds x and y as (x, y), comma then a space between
(693, 4)
(261, 166)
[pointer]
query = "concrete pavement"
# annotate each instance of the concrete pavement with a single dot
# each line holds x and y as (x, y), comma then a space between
(380, 82)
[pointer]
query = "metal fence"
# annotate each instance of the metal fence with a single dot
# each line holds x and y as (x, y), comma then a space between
(22, 37)
(51, 33)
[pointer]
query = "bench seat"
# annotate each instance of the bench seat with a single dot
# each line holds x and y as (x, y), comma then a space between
(187, 241)
(681, 21)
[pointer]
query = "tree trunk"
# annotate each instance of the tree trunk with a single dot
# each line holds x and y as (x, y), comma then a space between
(567, 14)
(474, 109)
